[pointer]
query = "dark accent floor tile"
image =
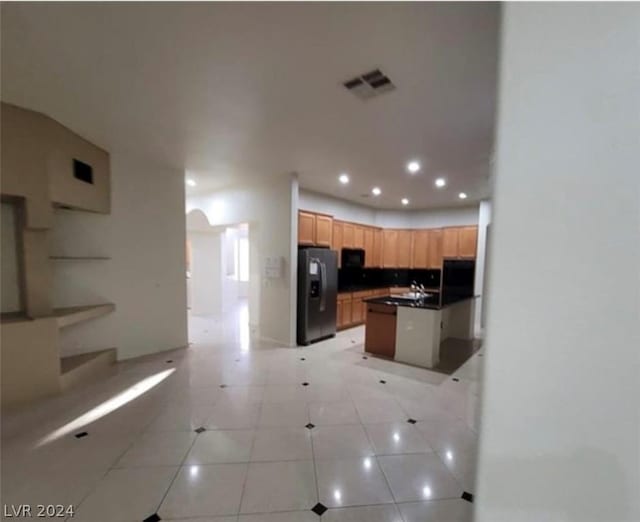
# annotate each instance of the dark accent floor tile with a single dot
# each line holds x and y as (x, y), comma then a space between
(169, 361)
(81, 434)
(305, 384)
(383, 382)
(455, 379)
(319, 509)
(310, 426)
(365, 357)
(223, 386)
(153, 518)
(467, 496)
(411, 421)
(200, 429)
(302, 359)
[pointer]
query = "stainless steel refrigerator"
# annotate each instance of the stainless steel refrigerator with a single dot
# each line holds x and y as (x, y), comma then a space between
(317, 294)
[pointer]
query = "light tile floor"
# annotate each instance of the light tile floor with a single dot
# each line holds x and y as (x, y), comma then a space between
(272, 447)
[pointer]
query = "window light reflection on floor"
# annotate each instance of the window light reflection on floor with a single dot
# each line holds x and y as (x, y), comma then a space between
(108, 406)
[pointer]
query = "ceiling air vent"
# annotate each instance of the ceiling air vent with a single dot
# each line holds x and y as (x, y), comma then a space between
(369, 84)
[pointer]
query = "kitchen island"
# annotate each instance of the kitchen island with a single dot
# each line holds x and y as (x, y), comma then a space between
(411, 330)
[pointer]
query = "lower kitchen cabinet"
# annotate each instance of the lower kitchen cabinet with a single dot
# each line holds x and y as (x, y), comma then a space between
(352, 308)
(343, 319)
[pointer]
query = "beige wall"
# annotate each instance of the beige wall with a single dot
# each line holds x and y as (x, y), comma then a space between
(30, 361)
(24, 162)
(10, 290)
(144, 236)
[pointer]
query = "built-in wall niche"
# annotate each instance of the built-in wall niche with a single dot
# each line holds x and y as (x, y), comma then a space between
(11, 295)
(82, 171)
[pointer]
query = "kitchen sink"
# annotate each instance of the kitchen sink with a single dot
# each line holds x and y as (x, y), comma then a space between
(415, 295)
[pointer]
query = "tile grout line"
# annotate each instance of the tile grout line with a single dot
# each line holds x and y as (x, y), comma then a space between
(180, 466)
(115, 461)
(375, 456)
(253, 442)
(313, 457)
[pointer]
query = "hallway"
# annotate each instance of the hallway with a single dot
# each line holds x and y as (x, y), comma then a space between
(285, 430)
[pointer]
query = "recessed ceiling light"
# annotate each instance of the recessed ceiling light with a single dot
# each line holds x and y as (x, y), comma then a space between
(405, 201)
(413, 166)
(376, 191)
(343, 178)
(440, 182)
(190, 182)
(462, 195)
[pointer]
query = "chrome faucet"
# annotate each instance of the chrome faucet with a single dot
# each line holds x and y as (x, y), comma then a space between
(418, 289)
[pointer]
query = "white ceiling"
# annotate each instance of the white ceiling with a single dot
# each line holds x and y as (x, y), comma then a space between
(234, 91)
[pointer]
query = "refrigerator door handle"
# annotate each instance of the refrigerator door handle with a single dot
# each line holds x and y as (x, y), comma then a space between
(323, 286)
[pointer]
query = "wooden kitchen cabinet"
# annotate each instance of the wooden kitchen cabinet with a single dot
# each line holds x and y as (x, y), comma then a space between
(306, 228)
(369, 260)
(467, 242)
(347, 235)
(389, 248)
(459, 242)
(434, 250)
(324, 230)
(356, 310)
(336, 239)
(377, 248)
(344, 305)
(358, 236)
(404, 249)
(450, 242)
(420, 249)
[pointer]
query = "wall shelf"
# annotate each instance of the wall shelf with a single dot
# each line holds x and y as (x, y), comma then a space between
(77, 314)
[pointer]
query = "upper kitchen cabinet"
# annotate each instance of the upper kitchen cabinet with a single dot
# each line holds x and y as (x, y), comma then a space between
(348, 235)
(389, 248)
(324, 230)
(467, 242)
(404, 249)
(306, 228)
(378, 242)
(358, 236)
(314, 229)
(420, 249)
(336, 238)
(459, 242)
(450, 242)
(369, 260)
(434, 250)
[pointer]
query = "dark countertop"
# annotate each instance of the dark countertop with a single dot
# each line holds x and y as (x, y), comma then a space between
(359, 288)
(432, 303)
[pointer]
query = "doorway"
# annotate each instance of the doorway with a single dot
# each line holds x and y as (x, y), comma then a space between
(218, 279)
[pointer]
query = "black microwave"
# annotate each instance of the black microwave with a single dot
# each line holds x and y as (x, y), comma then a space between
(352, 258)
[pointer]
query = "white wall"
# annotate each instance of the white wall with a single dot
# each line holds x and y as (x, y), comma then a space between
(206, 272)
(10, 290)
(480, 283)
(338, 208)
(435, 218)
(145, 237)
(560, 426)
(347, 211)
(270, 209)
